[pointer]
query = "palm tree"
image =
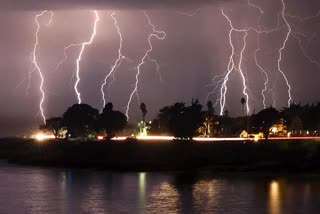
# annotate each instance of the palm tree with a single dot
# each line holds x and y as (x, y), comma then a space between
(210, 108)
(144, 111)
(243, 101)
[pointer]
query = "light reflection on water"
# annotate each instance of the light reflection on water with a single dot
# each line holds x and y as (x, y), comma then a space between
(49, 190)
(274, 197)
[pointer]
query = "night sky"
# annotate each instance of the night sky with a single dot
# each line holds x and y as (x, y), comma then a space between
(195, 50)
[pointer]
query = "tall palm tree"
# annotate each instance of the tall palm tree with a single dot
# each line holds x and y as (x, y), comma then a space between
(144, 111)
(243, 101)
(210, 108)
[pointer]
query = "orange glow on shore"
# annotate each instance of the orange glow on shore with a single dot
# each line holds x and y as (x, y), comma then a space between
(41, 137)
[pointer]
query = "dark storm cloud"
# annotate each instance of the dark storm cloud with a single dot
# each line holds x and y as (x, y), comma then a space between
(101, 4)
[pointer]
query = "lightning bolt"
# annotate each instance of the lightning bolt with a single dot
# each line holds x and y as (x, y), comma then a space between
(283, 47)
(301, 20)
(264, 90)
(35, 61)
(266, 79)
(83, 45)
(65, 54)
(298, 36)
(117, 62)
(231, 65)
(160, 35)
(304, 52)
(239, 69)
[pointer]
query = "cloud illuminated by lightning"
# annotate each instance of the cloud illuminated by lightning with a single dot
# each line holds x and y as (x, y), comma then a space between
(83, 45)
(35, 61)
(160, 35)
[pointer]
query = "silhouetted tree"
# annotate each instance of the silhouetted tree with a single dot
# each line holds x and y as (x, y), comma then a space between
(80, 120)
(144, 111)
(168, 117)
(53, 125)
(190, 121)
(111, 121)
(210, 109)
(108, 107)
(265, 119)
(180, 120)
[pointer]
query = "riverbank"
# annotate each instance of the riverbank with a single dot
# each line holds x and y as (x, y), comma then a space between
(278, 156)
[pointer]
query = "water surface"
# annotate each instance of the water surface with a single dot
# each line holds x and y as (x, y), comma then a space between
(26, 189)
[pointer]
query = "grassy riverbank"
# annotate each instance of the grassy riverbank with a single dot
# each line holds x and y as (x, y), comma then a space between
(155, 156)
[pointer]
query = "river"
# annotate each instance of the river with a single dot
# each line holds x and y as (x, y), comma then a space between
(25, 189)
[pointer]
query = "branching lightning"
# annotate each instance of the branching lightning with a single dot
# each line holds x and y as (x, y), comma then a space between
(35, 61)
(65, 54)
(298, 36)
(117, 62)
(160, 35)
(236, 60)
(83, 45)
(231, 67)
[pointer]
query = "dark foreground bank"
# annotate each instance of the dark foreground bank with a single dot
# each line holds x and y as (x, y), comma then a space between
(155, 156)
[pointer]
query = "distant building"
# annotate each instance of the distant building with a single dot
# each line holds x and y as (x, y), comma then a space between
(279, 128)
(245, 134)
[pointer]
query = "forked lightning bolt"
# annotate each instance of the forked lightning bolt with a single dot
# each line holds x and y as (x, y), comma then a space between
(160, 35)
(231, 67)
(117, 62)
(35, 61)
(83, 45)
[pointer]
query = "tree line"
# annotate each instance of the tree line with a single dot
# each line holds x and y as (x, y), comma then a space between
(183, 121)
(82, 121)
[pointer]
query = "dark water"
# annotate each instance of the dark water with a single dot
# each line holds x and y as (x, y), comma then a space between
(49, 190)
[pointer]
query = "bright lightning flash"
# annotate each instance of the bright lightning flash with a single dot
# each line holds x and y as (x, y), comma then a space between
(160, 35)
(231, 67)
(282, 49)
(35, 61)
(117, 63)
(83, 45)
